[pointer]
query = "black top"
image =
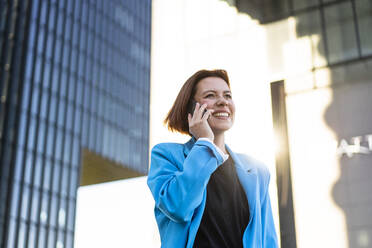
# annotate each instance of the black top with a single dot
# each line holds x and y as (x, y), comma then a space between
(226, 212)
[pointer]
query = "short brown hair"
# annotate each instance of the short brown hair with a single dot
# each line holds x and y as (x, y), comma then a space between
(177, 115)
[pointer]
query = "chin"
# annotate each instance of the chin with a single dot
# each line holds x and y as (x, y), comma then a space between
(221, 128)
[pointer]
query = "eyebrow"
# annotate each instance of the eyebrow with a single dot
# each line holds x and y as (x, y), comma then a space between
(214, 91)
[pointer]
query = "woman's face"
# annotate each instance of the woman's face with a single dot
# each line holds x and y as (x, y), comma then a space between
(215, 92)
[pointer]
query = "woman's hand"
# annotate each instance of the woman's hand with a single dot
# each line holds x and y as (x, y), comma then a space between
(198, 123)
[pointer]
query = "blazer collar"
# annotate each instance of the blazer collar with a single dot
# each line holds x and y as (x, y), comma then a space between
(188, 145)
(245, 166)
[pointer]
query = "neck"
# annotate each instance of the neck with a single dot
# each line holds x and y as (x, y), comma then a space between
(219, 140)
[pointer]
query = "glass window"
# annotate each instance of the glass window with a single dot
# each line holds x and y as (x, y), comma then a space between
(64, 180)
(71, 214)
(70, 7)
(74, 56)
(87, 96)
(58, 151)
(92, 131)
(77, 7)
(42, 236)
(35, 9)
(40, 41)
(50, 141)
(52, 236)
(70, 114)
(19, 165)
(44, 208)
(53, 108)
(31, 134)
(25, 202)
(74, 182)
(68, 26)
(29, 63)
(44, 104)
(47, 175)
(52, 16)
(92, 16)
(67, 149)
(62, 213)
(364, 13)
(60, 21)
(46, 79)
(58, 51)
(38, 171)
(85, 129)
(77, 121)
(15, 199)
(43, 14)
(65, 57)
(341, 36)
(76, 152)
(99, 135)
(56, 177)
(21, 235)
(53, 213)
(12, 233)
(28, 167)
(61, 113)
(49, 46)
(35, 206)
(41, 136)
(22, 129)
(37, 75)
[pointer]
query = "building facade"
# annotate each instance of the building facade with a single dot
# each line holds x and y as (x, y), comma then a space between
(321, 55)
(74, 110)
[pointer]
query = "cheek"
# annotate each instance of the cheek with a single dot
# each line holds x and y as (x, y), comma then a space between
(206, 101)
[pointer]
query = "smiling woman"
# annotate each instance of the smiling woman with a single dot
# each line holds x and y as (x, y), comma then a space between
(205, 194)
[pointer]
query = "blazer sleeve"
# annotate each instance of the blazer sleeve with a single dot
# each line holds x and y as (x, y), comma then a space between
(177, 184)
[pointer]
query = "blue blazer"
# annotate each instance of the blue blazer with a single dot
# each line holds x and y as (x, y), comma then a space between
(178, 179)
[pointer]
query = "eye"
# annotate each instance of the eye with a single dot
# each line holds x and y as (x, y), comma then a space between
(228, 96)
(209, 96)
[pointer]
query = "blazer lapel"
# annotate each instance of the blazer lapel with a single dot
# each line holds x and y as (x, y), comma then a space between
(247, 175)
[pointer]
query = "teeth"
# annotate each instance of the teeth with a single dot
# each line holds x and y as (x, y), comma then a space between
(222, 114)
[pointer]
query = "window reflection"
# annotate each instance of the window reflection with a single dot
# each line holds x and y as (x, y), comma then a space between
(47, 176)
(22, 130)
(51, 241)
(364, 14)
(12, 233)
(341, 34)
(35, 205)
(31, 133)
(41, 137)
(37, 171)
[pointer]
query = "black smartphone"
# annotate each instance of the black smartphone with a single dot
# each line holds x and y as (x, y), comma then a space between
(192, 107)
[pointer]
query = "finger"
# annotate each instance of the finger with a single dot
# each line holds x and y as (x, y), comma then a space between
(207, 114)
(201, 110)
(196, 109)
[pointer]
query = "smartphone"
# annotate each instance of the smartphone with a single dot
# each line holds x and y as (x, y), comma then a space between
(192, 107)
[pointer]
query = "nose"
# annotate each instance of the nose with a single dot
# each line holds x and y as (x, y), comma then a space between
(222, 101)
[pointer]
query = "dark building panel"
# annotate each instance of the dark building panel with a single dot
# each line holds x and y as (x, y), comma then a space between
(74, 75)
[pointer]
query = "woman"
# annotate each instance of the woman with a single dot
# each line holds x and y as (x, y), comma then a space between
(205, 194)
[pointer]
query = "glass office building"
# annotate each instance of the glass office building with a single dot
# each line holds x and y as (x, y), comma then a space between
(74, 109)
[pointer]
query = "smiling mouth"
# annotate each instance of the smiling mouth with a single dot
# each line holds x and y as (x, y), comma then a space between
(221, 114)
